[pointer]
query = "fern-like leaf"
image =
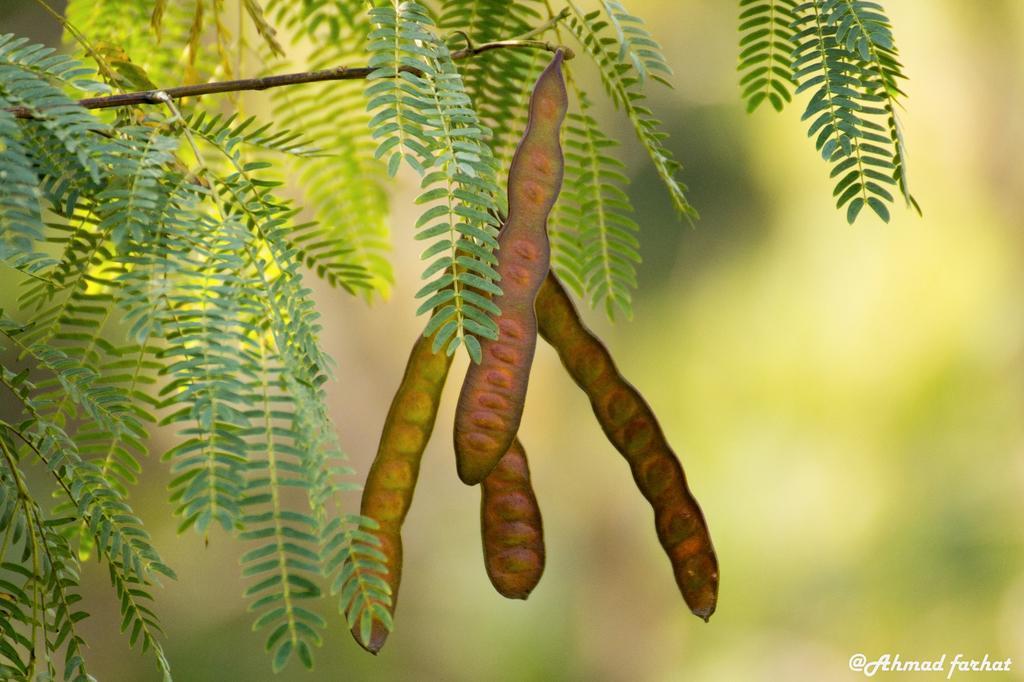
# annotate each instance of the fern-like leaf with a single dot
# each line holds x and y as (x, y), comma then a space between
(112, 29)
(766, 48)
(21, 220)
(348, 241)
(595, 217)
(623, 88)
(29, 78)
(844, 110)
(115, 531)
(399, 53)
(357, 567)
(462, 195)
(109, 519)
(863, 28)
(459, 186)
(206, 361)
(284, 562)
(636, 45)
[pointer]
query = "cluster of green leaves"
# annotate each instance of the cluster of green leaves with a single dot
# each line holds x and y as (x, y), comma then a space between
(75, 416)
(594, 234)
(425, 109)
(348, 243)
(347, 188)
(599, 255)
(500, 81)
(595, 245)
(423, 115)
(843, 52)
(144, 259)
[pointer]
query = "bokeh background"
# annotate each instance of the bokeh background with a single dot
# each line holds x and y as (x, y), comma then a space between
(848, 403)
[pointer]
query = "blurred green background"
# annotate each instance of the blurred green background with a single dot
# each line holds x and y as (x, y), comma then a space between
(848, 403)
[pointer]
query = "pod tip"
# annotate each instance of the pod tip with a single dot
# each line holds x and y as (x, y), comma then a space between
(471, 473)
(704, 612)
(468, 478)
(514, 595)
(378, 636)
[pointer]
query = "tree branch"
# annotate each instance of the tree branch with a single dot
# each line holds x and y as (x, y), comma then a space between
(337, 73)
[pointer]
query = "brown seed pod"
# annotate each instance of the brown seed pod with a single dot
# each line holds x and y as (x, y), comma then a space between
(511, 528)
(632, 428)
(491, 402)
(392, 478)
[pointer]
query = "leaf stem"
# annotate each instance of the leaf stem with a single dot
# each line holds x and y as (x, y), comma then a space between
(337, 73)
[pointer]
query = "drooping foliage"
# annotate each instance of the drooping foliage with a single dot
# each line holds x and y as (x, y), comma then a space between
(843, 53)
(155, 250)
(766, 52)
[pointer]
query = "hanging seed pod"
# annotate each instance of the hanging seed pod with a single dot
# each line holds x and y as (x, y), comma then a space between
(392, 478)
(630, 425)
(511, 528)
(493, 394)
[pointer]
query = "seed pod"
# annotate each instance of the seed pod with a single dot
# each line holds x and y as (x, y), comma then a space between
(392, 478)
(632, 428)
(510, 524)
(491, 402)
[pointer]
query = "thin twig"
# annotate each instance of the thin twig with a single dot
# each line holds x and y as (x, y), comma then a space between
(337, 73)
(552, 22)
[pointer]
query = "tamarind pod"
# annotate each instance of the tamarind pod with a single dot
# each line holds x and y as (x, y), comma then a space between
(630, 425)
(391, 481)
(510, 526)
(491, 402)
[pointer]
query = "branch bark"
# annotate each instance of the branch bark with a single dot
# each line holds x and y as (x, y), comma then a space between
(334, 74)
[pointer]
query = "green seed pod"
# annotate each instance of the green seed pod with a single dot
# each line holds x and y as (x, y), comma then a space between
(491, 402)
(511, 528)
(632, 428)
(392, 478)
